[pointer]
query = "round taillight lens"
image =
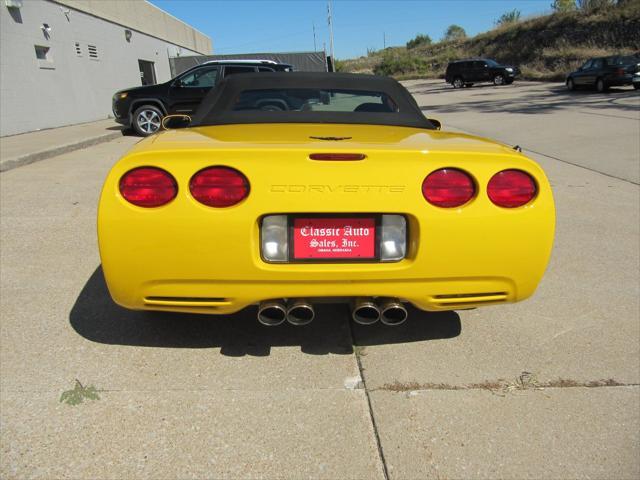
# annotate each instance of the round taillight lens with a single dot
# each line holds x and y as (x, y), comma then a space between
(511, 188)
(448, 188)
(219, 186)
(148, 187)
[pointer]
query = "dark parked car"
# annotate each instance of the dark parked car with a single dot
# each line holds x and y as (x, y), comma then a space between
(464, 73)
(604, 72)
(143, 107)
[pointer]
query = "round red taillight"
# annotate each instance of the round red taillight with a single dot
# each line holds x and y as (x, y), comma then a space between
(219, 186)
(511, 188)
(448, 188)
(148, 187)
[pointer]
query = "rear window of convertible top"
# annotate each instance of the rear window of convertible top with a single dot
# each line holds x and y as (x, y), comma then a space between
(314, 100)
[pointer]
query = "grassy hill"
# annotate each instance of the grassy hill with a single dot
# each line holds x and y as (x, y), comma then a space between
(545, 47)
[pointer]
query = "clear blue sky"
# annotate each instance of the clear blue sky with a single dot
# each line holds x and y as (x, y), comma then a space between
(285, 26)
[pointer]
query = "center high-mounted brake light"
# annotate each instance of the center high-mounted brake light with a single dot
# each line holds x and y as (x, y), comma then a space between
(337, 156)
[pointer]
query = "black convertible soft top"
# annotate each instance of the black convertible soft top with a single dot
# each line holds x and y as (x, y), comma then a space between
(217, 108)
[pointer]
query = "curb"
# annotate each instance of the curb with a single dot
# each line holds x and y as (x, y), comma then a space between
(11, 163)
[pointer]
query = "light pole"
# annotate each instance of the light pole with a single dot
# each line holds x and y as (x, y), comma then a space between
(330, 21)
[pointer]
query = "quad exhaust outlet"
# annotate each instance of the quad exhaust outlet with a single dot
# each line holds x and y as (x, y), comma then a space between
(364, 311)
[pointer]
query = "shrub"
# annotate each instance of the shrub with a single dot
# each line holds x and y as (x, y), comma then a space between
(418, 41)
(510, 17)
(400, 63)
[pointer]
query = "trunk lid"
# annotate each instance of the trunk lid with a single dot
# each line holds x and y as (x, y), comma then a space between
(321, 138)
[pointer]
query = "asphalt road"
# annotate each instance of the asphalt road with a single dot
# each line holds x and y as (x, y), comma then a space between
(547, 388)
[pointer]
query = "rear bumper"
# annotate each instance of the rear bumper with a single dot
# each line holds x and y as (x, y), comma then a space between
(425, 293)
(620, 81)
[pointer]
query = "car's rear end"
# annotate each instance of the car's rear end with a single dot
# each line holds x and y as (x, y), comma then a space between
(621, 71)
(450, 73)
(213, 219)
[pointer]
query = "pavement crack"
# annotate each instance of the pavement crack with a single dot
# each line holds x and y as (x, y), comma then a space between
(357, 352)
(525, 381)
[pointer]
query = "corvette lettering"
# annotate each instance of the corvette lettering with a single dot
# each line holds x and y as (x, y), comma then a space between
(338, 188)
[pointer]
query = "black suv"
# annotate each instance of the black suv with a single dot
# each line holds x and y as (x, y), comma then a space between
(143, 107)
(464, 73)
(604, 72)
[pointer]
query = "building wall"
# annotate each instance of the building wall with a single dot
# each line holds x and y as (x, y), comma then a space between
(71, 88)
(146, 18)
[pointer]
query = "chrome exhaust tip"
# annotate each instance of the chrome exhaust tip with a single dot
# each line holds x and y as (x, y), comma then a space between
(392, 312)
(272, 313)
(300, 312)
(365, 311)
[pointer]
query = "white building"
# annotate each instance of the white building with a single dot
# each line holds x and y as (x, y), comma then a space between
(62, 61)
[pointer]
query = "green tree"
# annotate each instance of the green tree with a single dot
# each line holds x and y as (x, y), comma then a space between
(564, 5)
(591, 5)
(455, 32)
(510, 17)
(418, 41)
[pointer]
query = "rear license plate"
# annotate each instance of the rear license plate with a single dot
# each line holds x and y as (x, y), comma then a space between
(342, 238)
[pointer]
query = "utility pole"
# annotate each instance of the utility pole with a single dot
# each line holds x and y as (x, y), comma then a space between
(330, 21)
(384, 40)
(314, 38)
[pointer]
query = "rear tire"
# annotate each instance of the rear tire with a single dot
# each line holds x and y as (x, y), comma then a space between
(498, 80)
(636, 86)
(457, 82)
(147, 120)
(271, 107)
(601, 87)
(571, 86)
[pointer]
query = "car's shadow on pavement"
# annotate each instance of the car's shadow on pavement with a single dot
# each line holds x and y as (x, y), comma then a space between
(97, 318)
(126, 132)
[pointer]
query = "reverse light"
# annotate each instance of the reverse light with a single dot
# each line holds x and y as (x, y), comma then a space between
(219, 186)
(448, 187)
(393, 238)
(511, 188)
(148, 187)
(274, 238)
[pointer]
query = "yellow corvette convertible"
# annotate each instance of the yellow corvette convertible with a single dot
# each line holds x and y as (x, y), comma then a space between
(288, 189)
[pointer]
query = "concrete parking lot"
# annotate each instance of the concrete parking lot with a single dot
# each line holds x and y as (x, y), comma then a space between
(547, 388)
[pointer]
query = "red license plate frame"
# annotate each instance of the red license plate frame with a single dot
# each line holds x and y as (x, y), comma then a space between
(364, 249)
